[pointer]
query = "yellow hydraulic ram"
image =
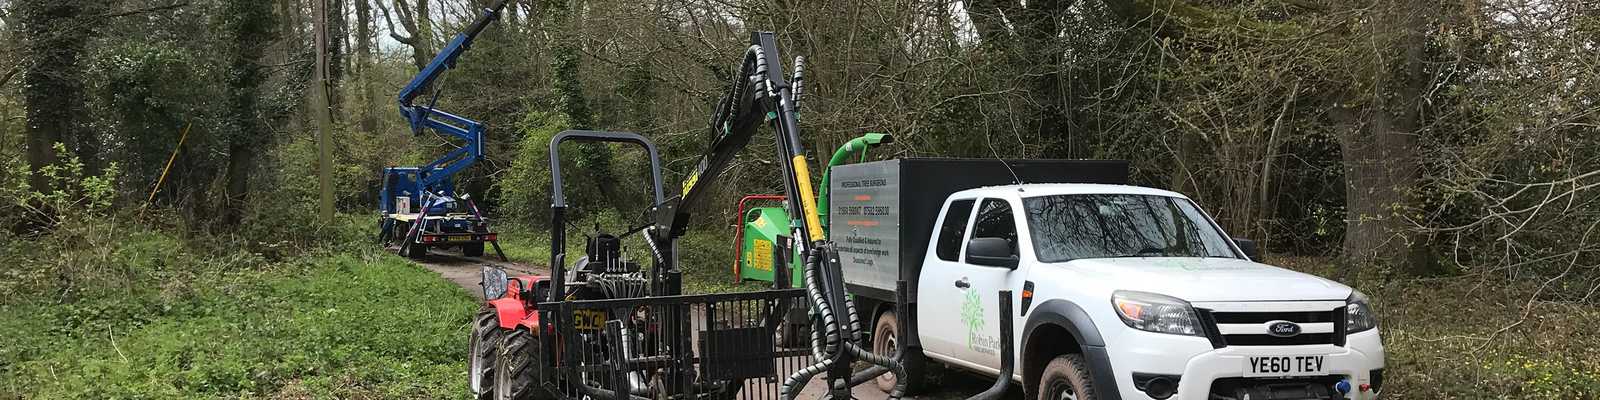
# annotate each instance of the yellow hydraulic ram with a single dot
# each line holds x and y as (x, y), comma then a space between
(802, 176)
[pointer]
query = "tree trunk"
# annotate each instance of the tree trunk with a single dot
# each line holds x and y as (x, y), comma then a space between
(565, 61)
(52, 88)
(1379, 145)
(1026, 37)
(364, 65)
(422, 45)
(338, 27)
(249, 25)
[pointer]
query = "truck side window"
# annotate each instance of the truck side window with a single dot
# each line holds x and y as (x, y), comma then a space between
(950, 233)
(995, 221)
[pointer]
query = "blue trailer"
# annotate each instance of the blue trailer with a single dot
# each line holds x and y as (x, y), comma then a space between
(419, 206)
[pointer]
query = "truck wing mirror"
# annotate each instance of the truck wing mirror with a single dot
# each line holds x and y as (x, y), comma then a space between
(1249, 248)
(991, 252)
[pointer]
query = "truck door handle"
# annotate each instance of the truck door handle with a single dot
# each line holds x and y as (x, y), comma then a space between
(962, 283)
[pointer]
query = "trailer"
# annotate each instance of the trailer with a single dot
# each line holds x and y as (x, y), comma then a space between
(417, 220)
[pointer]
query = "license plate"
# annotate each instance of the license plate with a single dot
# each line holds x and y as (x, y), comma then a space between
(1283, 365)
(589, 319)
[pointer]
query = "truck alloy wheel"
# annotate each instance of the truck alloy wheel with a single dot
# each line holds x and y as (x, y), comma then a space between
(1066, 378)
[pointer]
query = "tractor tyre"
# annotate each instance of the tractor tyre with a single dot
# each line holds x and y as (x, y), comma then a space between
(482, 348)
(472, 249)
(1066, 377)
(793, 336)
(517, 370)
(885, 337)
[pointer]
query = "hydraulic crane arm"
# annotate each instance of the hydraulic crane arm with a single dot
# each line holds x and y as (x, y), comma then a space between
(758, 94)
(425, 117)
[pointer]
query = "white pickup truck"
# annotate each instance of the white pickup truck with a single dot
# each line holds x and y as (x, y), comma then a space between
(1121, 292)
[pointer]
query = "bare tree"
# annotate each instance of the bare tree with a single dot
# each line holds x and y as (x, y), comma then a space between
(418, 25)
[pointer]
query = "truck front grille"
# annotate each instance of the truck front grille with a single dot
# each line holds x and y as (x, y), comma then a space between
(1268, 340)
(1213, 320)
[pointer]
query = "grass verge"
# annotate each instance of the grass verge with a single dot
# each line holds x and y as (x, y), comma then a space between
(333, 326)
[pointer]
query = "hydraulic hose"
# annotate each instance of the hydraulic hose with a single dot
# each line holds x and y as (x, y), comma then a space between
(799, 83)
(729, 106)
(825, 345)
(824, 342)
(893, 365)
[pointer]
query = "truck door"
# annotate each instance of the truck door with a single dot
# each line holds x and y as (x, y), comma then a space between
(957, 301)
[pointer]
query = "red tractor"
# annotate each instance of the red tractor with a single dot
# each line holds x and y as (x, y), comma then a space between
(504, 330)
(508, 345)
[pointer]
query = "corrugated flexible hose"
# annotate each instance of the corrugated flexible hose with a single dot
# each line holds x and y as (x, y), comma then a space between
(825, 343)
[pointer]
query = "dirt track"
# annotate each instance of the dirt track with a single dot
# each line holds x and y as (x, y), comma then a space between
(465, 272)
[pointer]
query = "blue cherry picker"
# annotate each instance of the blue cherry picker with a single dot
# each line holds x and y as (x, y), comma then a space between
(419, 205)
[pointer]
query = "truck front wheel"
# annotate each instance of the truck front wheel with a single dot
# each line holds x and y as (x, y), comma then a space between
(885, 341)
(1066, 378)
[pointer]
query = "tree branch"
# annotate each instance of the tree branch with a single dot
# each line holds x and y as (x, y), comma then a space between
(138, 11)
(10, 73)
(387, 20)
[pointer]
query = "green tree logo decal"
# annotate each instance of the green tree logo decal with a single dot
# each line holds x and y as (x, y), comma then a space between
(972, 315)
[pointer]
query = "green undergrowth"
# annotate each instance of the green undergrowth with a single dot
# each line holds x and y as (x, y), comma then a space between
(345, 326)
(1479, 336)
(111, 310)
(705, 255)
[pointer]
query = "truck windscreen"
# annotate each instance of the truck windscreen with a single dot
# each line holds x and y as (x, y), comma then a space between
(1070, 227)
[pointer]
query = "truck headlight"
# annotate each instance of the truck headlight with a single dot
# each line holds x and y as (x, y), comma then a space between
(1156, 313)
(1358, 314)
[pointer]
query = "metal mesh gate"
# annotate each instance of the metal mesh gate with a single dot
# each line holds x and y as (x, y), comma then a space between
(719, 346)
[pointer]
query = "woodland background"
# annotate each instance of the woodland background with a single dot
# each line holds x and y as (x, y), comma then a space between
(1444, 156)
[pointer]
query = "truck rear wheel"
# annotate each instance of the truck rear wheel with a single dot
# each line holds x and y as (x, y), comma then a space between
(1066, 378)
(885, 340)
(414, 251)
(517, 370)
(472, 249)
(486, 334)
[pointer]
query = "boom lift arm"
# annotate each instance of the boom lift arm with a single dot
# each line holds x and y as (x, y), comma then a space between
(421, 117)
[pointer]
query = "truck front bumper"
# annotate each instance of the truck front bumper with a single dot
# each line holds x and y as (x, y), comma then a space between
(1198, 366)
